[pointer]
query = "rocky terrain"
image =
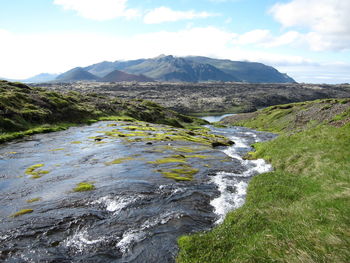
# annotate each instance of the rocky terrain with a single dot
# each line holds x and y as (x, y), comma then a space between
(209, 97)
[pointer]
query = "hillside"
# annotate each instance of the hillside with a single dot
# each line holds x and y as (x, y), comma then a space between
(300, 211)
(76, 74)
(28, 110)
(192, 69)
(118, 76)
(251, 72)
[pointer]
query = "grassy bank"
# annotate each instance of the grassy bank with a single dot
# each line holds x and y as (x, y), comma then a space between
(26, 110)
(300, 212)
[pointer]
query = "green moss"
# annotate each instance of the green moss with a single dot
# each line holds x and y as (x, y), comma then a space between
(22, 212)
(76, 142)
(120, 160)
(198, 156)
(142, 128)
(56, 150)
(185, 173)
(84, 186)
(175, 159)
(34, 200)
(34, 172)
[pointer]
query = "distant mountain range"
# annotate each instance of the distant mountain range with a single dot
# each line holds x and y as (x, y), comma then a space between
(174, 69)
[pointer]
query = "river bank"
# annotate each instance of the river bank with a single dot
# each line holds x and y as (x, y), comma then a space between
(299, 212)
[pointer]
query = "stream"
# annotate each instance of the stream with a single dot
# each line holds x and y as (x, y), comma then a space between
(134, 214)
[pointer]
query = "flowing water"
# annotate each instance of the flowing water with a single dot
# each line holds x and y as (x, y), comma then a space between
(133, 215)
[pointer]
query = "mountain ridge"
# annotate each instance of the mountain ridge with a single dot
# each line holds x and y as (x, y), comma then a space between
(174, 69)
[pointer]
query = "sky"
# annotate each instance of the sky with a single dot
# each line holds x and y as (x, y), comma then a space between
(307, 39)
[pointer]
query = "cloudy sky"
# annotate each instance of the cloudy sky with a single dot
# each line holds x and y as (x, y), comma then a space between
(308, 39)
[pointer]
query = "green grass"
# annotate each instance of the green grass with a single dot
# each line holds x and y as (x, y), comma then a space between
(300, 212)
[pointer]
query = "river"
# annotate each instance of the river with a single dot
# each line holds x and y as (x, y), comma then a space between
(134, 214)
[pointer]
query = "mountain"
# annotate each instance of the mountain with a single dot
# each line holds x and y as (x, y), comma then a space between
(251, 72)
(189, 69)
(43, 77)
(76, 74)
(169, 68)
(106, 67)
(118, 76)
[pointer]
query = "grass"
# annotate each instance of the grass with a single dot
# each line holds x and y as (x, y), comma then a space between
(300, 212)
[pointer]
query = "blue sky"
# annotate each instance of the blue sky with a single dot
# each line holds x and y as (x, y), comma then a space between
(307, 39)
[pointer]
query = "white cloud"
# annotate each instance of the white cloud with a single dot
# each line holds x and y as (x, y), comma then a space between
(25, 55)
(60, 51)
(98, 9)
(254, 37)
(328, 21)
(165, 14)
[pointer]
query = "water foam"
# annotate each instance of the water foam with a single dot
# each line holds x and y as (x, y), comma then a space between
(133, 236)
(80, 240)
(117, 203)
(233, 186)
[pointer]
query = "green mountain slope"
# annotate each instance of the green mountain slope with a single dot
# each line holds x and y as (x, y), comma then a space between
(300, 212)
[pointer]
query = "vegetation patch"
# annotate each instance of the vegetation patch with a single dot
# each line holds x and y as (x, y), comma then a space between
(34, 200)
(22, 212)
(56, 150)
(84, 186)
(182, 173)
(173, 159)
(35, 172)
(120, 160)
(76, 142)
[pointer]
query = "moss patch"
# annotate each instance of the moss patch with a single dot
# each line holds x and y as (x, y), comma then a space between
(34, 172)
(182, 173)
(84, 186)
(120, 160)
(173, 159)
(22, 212)
(34, 200)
